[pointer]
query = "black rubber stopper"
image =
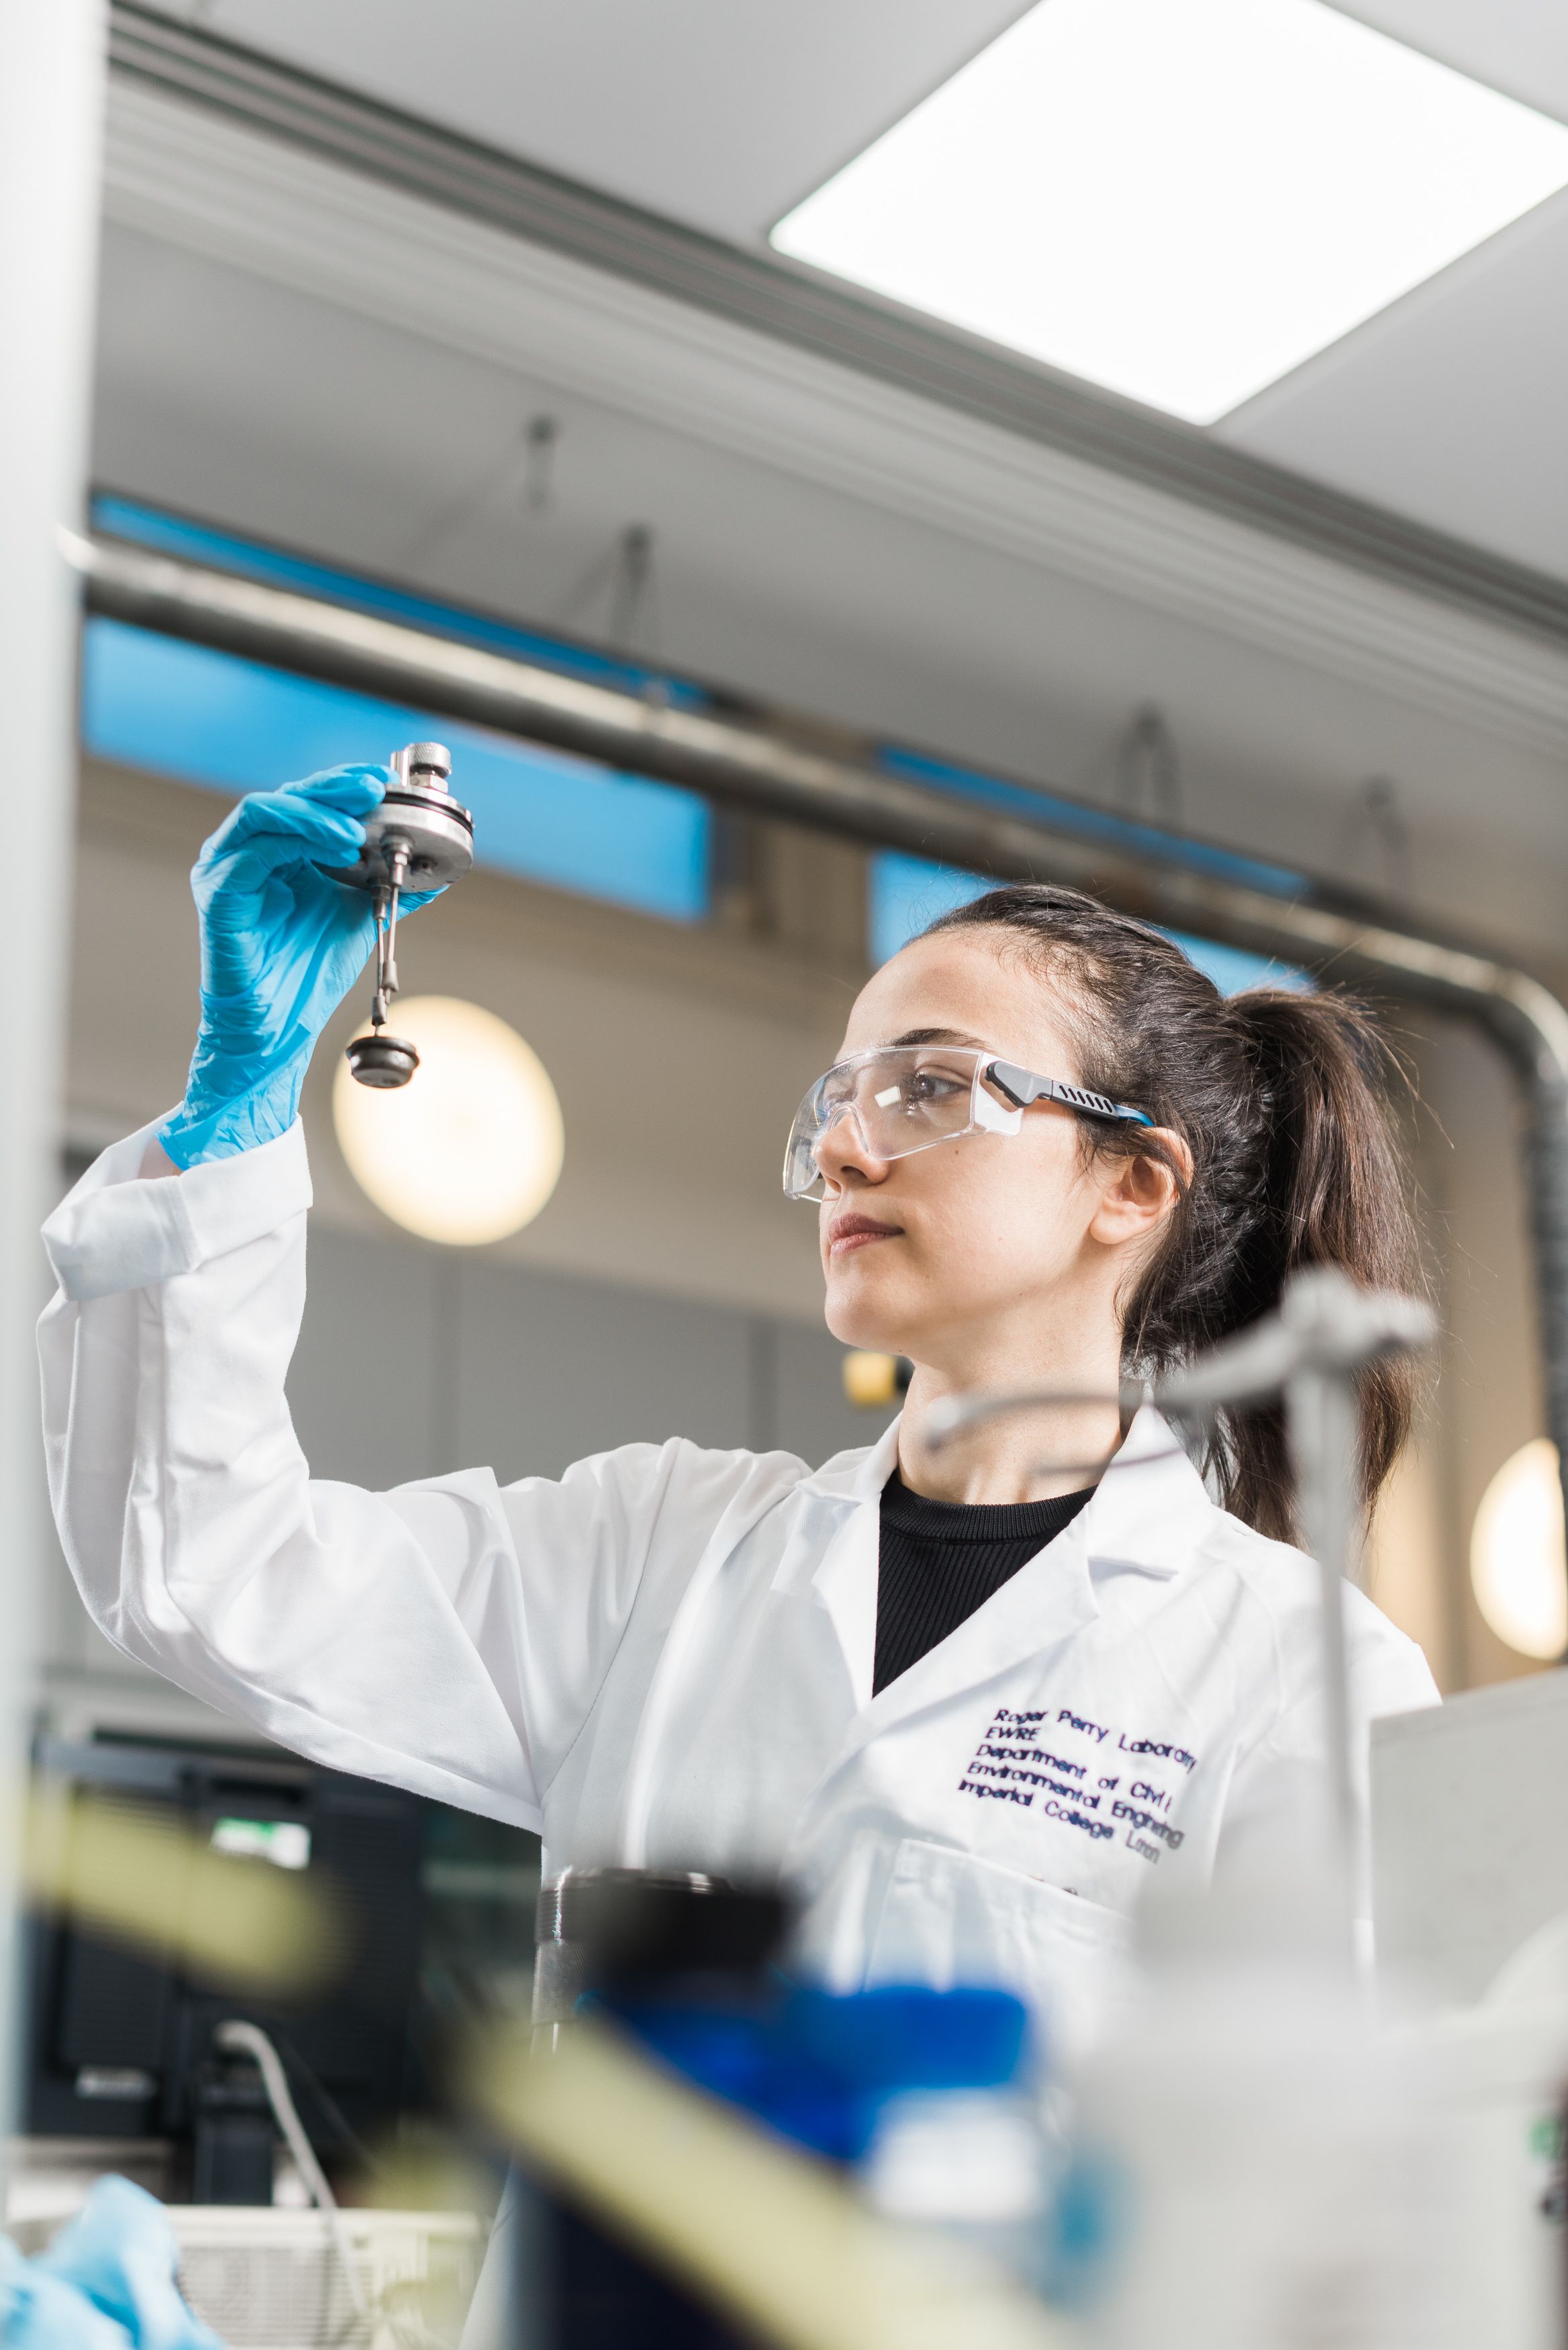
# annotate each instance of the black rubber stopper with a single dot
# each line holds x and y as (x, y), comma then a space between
(382, 1061)
(635, 1930)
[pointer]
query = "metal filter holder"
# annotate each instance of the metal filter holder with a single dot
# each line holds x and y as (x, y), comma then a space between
(420, 838)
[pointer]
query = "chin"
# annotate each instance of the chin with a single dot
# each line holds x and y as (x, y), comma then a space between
(859, 1316)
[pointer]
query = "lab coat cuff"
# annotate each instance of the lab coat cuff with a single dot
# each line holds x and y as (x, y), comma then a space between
(116, 1232)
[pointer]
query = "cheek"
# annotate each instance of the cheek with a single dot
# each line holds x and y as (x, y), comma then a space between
(996, 1217)
(1007, 1234)
(1024, 1189)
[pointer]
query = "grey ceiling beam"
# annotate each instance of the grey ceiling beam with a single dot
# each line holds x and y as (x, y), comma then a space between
(796, 306)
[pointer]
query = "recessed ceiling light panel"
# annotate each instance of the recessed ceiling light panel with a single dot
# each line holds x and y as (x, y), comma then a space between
(1180, 199)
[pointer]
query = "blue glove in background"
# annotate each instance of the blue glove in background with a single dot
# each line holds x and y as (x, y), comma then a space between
(281, 944)
(39, 2311)
(121, 2252)
(107, 2281)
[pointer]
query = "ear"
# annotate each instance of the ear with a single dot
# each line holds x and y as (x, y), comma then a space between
(1138, 1195)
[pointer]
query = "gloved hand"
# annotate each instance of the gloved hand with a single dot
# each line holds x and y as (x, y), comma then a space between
(107, 2281)
(121, 2251)
(39, 2311)
(281, 944)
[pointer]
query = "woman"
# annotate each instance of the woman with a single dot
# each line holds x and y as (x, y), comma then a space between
(969, 1706)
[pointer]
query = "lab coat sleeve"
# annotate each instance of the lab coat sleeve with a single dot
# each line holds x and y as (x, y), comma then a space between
(447, 1637)
(1280, 1783)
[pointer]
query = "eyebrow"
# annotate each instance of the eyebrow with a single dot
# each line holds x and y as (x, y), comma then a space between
(940, 1036)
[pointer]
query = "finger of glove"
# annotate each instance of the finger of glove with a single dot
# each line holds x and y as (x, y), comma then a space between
(346, 791)
(268, 833)
(261, 812)
(354, 788)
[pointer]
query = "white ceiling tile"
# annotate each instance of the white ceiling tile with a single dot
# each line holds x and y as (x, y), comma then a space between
(721, 113)
(1450, 406)
(1519, 46)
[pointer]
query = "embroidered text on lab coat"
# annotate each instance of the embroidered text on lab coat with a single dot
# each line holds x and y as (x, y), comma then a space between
(1011, 1764)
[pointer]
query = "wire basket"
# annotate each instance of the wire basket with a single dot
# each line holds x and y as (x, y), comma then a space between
(271, 2280)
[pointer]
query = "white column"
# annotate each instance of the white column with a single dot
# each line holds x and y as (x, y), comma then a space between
(52, 71)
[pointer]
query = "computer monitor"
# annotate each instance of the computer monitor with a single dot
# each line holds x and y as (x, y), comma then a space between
(120, 2042)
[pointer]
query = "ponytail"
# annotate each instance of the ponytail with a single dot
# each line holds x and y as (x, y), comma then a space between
(1334, 1191)
(1282, 1101)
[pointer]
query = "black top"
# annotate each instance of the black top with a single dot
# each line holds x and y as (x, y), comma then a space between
(941, 1560)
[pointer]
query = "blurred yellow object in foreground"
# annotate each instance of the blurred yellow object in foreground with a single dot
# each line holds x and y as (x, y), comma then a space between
(129, 1872)
(872, 1380)
(768, 2235)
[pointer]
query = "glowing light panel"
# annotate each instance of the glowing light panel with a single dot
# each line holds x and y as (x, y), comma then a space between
(472, 1150)
(1519, 1570)
(1181, 200)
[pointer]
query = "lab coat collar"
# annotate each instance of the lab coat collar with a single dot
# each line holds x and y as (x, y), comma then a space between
(1149, 1512)
(843, 1576)
(858, 1476)
(1150, 1509)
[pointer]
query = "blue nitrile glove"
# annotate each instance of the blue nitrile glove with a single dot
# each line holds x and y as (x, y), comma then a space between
(281, 944)
(40, 2312)
(121, 2254)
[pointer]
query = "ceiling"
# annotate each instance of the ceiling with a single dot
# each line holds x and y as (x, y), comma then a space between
(719, 113)
(1446, 408)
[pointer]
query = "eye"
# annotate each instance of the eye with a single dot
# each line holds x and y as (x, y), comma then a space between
(926, 1087)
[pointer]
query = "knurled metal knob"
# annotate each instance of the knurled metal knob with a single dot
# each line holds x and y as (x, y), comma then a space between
(418, 811)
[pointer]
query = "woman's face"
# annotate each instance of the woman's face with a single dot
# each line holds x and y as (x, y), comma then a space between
(941, 1255)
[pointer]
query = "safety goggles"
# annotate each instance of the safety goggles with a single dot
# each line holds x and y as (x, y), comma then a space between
(900, 1098)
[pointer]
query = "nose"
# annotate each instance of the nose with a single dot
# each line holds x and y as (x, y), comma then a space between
(844, 1155)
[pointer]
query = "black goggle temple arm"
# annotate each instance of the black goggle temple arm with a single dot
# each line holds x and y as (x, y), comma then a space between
(1021, 1087)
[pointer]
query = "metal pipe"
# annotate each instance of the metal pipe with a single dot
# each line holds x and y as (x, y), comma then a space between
(765, 762)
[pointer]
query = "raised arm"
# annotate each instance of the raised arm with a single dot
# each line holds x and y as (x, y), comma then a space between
(448, 1636)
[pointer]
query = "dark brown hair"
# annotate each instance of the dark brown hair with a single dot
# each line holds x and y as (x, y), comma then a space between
(1282, 1099)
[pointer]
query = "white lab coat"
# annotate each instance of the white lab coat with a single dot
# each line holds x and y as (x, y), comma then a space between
(665, 1659)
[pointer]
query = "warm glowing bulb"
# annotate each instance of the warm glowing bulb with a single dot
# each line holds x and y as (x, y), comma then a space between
(870, 1379)
(1518, 1567)
(472, 1150)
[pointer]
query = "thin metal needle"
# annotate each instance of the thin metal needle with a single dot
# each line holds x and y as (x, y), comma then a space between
(400, 876)
(378, 996)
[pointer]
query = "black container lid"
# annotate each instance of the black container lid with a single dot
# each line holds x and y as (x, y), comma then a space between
(636, 1929)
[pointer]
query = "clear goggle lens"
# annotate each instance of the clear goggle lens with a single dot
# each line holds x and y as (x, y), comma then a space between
(897, 1099)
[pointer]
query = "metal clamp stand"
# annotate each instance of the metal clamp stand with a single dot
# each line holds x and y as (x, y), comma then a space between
(1325, 1332)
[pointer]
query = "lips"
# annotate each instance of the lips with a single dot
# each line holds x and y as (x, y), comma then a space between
(846, 1234)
